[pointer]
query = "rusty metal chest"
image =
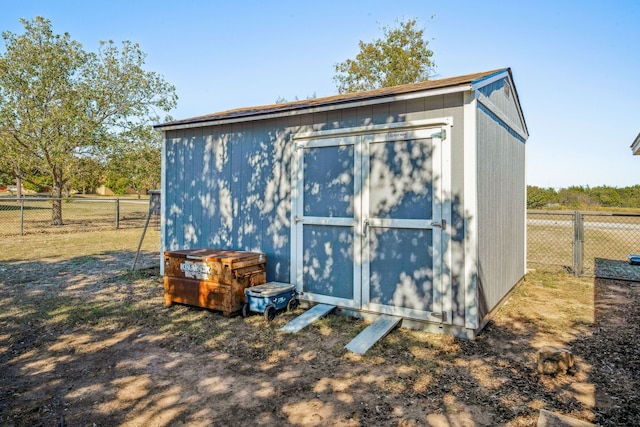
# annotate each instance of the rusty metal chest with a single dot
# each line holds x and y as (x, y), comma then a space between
(212, 278)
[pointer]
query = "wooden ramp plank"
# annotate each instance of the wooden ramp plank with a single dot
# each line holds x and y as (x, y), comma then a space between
(373, 333)
(551, 419)
(307, 318)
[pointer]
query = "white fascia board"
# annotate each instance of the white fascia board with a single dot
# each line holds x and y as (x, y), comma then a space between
(490, 79)
(635, 147)
(323, 108)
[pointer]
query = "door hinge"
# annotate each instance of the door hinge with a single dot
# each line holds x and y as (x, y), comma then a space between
(440, 135)
(442, 316)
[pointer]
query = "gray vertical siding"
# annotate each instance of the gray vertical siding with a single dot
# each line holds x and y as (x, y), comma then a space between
(502, 95)
(501, 210)
(230, 185)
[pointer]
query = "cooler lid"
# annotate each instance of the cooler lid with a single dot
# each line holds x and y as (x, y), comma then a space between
(270, 288)
(216, 255)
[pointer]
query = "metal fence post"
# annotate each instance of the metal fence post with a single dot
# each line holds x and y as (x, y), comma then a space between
(117, 213)
(578, 244)
(21, 216)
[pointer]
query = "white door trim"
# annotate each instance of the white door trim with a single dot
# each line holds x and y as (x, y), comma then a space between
(441, 304)
(439, 130)
(298, 220)
(374, 129)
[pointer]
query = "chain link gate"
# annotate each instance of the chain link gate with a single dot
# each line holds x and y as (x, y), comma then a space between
(574, 240)
(610, 236)
(550, 237)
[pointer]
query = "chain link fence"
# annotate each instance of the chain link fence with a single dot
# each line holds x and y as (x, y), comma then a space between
(550, 239)
(561, 240)
(576, 240)
(31, 215)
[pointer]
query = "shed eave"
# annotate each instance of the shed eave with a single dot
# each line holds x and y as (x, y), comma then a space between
(635, 147)
(500, 74)
(319, 108)
(486, 80)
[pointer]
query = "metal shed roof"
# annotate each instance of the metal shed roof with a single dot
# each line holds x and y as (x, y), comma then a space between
(387, 94)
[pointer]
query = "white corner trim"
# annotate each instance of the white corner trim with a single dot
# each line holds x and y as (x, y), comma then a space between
(526, 171)
(163, 200)
(470, 213)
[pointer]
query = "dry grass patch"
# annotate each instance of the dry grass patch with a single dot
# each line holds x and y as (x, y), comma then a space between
(84, 339)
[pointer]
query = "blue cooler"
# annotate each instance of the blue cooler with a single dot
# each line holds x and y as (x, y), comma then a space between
(269, 298)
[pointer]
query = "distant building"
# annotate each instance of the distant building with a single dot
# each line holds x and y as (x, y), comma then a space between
(635, 147)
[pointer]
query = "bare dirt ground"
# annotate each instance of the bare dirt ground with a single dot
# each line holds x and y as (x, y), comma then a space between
(84, 342)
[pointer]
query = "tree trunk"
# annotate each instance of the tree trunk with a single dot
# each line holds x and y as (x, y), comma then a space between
(18, 189)
(56, 211)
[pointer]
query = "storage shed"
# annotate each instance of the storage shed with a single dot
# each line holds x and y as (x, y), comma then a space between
(408, 200)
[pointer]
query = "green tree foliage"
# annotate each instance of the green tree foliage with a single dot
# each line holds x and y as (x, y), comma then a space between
(59, 102)
(538, 198)
(6, 179)
(630, 196)
(38, 183)
(87, 175)
(576, 197)
(137, 169)
(606, 196)
(401, 56)
(579, 197)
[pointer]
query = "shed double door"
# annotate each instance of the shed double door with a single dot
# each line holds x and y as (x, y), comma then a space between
(369, 224)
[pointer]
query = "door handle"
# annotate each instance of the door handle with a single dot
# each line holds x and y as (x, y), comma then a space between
(440, 224)
(297, 219)
(365, 226)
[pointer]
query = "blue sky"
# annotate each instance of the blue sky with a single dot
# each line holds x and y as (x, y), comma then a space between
(576, 64)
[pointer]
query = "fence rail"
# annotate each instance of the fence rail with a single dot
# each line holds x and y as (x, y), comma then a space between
(31, 215)
(574, 240)
(568, 240)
